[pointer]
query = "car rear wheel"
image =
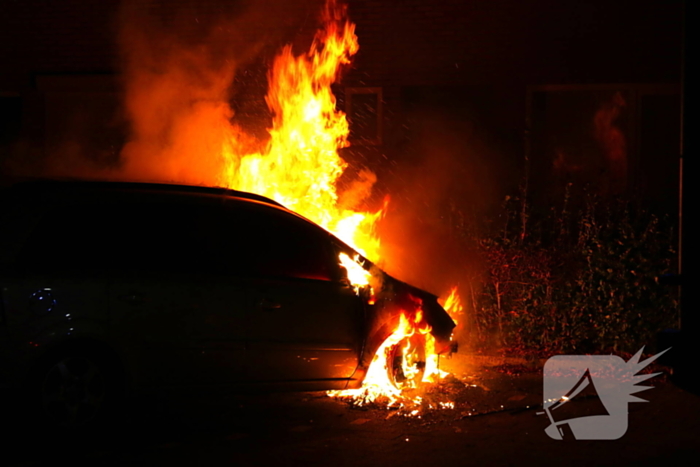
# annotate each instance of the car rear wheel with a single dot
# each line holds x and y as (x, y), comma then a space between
(76, 390)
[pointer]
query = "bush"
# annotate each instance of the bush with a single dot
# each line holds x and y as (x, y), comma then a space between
(581, 281)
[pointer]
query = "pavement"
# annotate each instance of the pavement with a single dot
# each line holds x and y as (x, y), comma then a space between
(493, 420)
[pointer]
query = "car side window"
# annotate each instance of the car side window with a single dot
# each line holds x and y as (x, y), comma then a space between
(135, 236)
(66, 238)
(181, 237)
(269, 242)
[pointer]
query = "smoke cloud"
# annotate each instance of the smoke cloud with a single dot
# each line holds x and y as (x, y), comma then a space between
(179, 78)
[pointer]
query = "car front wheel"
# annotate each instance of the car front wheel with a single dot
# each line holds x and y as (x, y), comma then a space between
(407, 362)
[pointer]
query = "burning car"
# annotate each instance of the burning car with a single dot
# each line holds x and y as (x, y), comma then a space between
(110, 286)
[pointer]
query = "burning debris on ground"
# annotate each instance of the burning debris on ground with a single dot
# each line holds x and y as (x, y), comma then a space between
(492, 390)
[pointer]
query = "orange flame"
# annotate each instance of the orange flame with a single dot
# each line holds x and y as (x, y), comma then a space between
(378, 382)
(453, 305)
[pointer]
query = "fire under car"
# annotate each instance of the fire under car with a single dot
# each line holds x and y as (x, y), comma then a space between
(110, 287)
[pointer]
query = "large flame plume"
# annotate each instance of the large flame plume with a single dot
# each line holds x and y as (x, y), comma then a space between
(298, 165)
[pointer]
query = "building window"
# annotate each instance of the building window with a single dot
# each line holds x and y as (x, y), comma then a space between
(363, 107)
(10, 118)
(607, 139)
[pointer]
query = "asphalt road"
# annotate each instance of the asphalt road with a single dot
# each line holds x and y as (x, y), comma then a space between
(494, 422)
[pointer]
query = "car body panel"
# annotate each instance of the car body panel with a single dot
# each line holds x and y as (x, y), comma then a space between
(303, 329)
(161, 322)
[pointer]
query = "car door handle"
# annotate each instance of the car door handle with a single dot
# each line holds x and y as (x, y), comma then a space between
(132, 298)
(268, 305)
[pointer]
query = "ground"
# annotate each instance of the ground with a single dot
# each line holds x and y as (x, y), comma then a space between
(494, 422)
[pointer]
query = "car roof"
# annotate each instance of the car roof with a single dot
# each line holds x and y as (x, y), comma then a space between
(37, 186)
(27, 189)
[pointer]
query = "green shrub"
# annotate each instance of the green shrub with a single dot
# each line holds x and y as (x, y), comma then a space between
(580, 281)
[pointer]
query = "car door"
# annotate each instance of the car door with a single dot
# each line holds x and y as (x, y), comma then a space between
(145, 311)
(303, 330)
(305, 324)
(184, 318)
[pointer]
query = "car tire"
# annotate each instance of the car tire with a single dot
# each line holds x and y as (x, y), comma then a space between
(75, 390)
(397, 353)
